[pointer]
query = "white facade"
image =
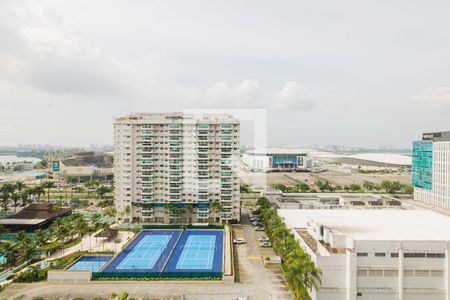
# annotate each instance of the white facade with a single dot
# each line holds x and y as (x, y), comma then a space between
(177, 168)
(439, 195)
(376, 254)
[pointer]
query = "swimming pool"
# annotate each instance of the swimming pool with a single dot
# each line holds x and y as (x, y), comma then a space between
(90, 262)
(34, 173)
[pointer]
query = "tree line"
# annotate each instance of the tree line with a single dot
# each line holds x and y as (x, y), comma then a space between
(18, 191)
(300, 273)
(387, 186)
(63, 231)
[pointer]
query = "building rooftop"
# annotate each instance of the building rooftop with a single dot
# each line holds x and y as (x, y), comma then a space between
(176, 117)
(34, 214)
(375, 225)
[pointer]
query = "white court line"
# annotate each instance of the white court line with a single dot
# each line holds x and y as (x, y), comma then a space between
(157, 246)
(188, 249)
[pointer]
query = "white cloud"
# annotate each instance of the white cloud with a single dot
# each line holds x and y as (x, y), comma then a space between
(49, 56)
(433, 96)
(221, 94)
(294, 96)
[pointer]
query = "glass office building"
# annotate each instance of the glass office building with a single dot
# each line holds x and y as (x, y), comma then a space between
(422, 164)
(431, 169)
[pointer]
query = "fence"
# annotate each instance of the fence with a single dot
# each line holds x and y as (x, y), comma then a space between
(176, 226)
(155, 275)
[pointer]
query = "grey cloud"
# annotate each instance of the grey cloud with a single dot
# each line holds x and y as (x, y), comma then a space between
(294, 96)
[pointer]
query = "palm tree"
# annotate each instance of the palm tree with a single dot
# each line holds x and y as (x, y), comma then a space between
(5, 199)
(25, 196)
(6, 190)
(38, 190)
(72, 180)
(19, 185)
(15, 199)
(3, 230)
(42, 236)
(48, 185)
(10, 252)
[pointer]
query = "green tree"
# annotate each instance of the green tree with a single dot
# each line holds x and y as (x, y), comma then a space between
(279, 186)
(368, 185)
(48, 185)
(38, 191)
(15, 197)
(303, 187)
(19, 185)
(263, 202)
(355, 187)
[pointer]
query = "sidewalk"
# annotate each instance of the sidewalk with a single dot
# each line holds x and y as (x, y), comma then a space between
(90, 243)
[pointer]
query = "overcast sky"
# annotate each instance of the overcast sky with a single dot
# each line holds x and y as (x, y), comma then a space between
(360, 73)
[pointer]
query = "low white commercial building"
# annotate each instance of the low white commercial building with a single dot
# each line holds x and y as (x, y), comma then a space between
(376, 254)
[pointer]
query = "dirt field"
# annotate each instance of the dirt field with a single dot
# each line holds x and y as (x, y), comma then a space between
(337, 178)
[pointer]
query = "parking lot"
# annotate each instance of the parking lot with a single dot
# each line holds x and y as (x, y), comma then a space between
(249, 263)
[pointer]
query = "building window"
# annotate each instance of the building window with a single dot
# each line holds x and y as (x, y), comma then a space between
(380, 254)
(390, 273)
(435, 255)
(375, 273)
(414, 255)
(363, 254)
(394, 254)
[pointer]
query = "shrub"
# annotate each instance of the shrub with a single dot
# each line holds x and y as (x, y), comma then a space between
(32, 275)
(124, 296)
(113, 295)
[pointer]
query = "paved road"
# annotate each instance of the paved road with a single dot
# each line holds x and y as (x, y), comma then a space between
(251, 268)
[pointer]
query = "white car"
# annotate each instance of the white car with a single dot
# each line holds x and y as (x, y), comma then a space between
(258, 228)
(265, 244)
(238, 241)
(263, 239)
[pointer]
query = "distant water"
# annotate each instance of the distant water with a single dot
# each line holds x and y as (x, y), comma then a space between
(13, 158)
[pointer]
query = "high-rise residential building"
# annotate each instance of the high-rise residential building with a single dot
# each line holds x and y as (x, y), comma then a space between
(431, 169)
(175, 168)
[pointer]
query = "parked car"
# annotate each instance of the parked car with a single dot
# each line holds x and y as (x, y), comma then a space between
(259, 228)
(238, 241)
(255, 219)
(263, 239)
(258, 224)
(265, 244)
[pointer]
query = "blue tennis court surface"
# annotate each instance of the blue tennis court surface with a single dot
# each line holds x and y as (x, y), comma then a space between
(91, 263)
(148, 252)
(145, 254)
(171, 252)
(197, 251)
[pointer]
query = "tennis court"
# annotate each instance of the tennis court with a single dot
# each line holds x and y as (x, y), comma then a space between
(148, 252)
(145, 254)
(91, 263)
(198, 252)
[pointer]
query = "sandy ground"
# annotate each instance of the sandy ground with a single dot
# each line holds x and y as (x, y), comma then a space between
(337, 178)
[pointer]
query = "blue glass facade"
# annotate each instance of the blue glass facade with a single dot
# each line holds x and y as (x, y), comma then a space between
(284, 160)
(422, 164)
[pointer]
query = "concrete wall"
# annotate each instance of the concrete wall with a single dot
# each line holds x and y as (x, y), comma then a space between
(67, 276)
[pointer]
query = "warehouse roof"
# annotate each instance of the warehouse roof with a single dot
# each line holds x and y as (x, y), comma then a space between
(373, 225)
